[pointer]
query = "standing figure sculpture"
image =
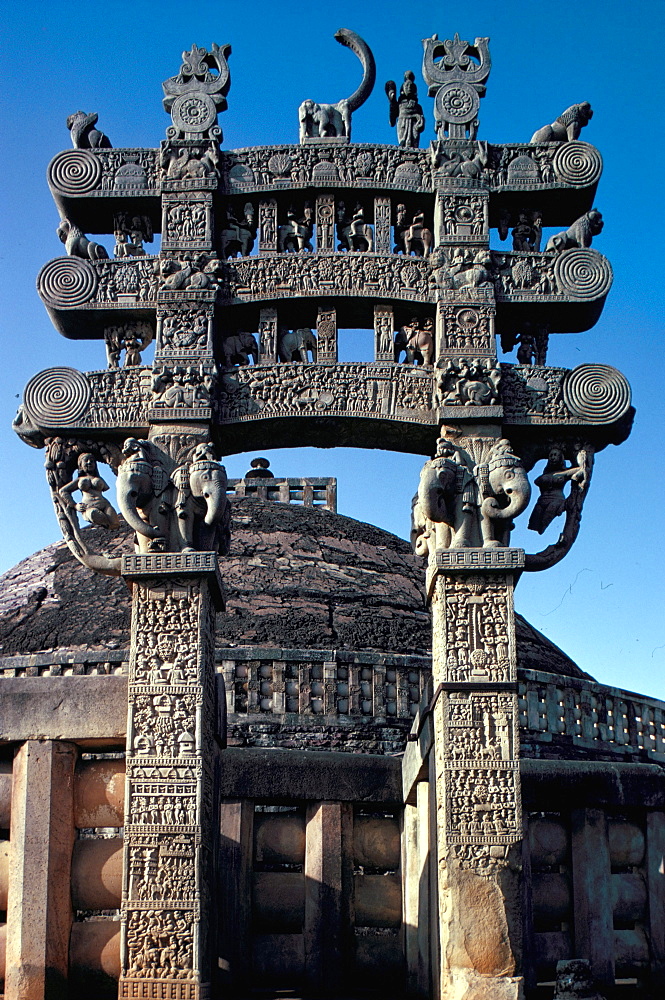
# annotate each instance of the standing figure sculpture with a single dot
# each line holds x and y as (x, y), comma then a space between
(406, 112)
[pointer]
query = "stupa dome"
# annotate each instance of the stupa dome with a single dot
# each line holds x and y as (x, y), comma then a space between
(296, 577)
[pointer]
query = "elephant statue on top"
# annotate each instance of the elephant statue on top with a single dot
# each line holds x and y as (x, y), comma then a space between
(173, 509)
(237, 348)
(462, 505)
(295, 345)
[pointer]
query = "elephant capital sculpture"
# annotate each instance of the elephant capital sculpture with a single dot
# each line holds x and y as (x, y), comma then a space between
(448, 499)
(238, 347)
(462, 505)
(173, 508)
(203, 513)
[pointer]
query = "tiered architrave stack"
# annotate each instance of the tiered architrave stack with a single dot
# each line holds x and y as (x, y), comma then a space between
(266, 253)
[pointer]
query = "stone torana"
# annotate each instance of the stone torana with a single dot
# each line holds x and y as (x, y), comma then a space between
(266, 254)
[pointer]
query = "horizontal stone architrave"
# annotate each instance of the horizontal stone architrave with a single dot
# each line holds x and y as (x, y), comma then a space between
(331, 397)
(81, 174)
(557, 714)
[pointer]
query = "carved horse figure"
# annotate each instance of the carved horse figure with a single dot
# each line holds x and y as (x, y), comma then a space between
(77, 243)
(295, 235)
(354, 233)
(295, 345)
(414, 237)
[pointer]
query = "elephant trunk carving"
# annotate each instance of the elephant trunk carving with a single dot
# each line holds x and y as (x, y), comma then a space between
(135, 490)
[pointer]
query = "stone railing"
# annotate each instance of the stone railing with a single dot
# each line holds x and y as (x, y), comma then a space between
(321, 492)
(594, 715)
(266, 681)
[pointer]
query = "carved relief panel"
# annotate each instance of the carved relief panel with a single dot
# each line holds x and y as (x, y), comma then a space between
(187, 221)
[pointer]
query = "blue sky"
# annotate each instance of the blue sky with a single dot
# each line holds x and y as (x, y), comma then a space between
(604, 603)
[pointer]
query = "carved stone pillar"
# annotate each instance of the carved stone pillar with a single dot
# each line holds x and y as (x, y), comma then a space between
(268, 336)
(169, 826)
(382, 242)
(384, 331)
(479, 817)
(268, 226)
(326, 335)
(325, 222)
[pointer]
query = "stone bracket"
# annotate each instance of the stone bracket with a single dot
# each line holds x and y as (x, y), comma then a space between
(140, 566)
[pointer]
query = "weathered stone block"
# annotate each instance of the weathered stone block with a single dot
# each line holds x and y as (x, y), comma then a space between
(4, 872)
(278, 957)
(378, 900)
(627, 843)
(5, 793)
(278, 901)
(549, 841)
(279, 838)
(94, 958)
(551, 897)
(99, 794)
(376, 842)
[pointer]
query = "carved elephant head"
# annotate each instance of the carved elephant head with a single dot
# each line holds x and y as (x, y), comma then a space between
(208, 482)
(505, 492)
(140, 483)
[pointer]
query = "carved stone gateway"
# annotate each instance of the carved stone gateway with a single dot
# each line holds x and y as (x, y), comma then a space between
(266, 254)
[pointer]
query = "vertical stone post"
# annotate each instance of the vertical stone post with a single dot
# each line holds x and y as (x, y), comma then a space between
(326, 335)
(478, 806)
(382, 213)
(268, 336)
(165, 951)
(384, 329)
(39, 912)
(325, 222)
(592, 891)
(328, 877)
(268, 226)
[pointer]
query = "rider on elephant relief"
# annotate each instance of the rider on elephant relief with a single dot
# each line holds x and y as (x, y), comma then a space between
(448, 497)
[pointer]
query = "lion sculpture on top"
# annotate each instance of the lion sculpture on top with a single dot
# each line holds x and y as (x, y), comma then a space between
(567, 126)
